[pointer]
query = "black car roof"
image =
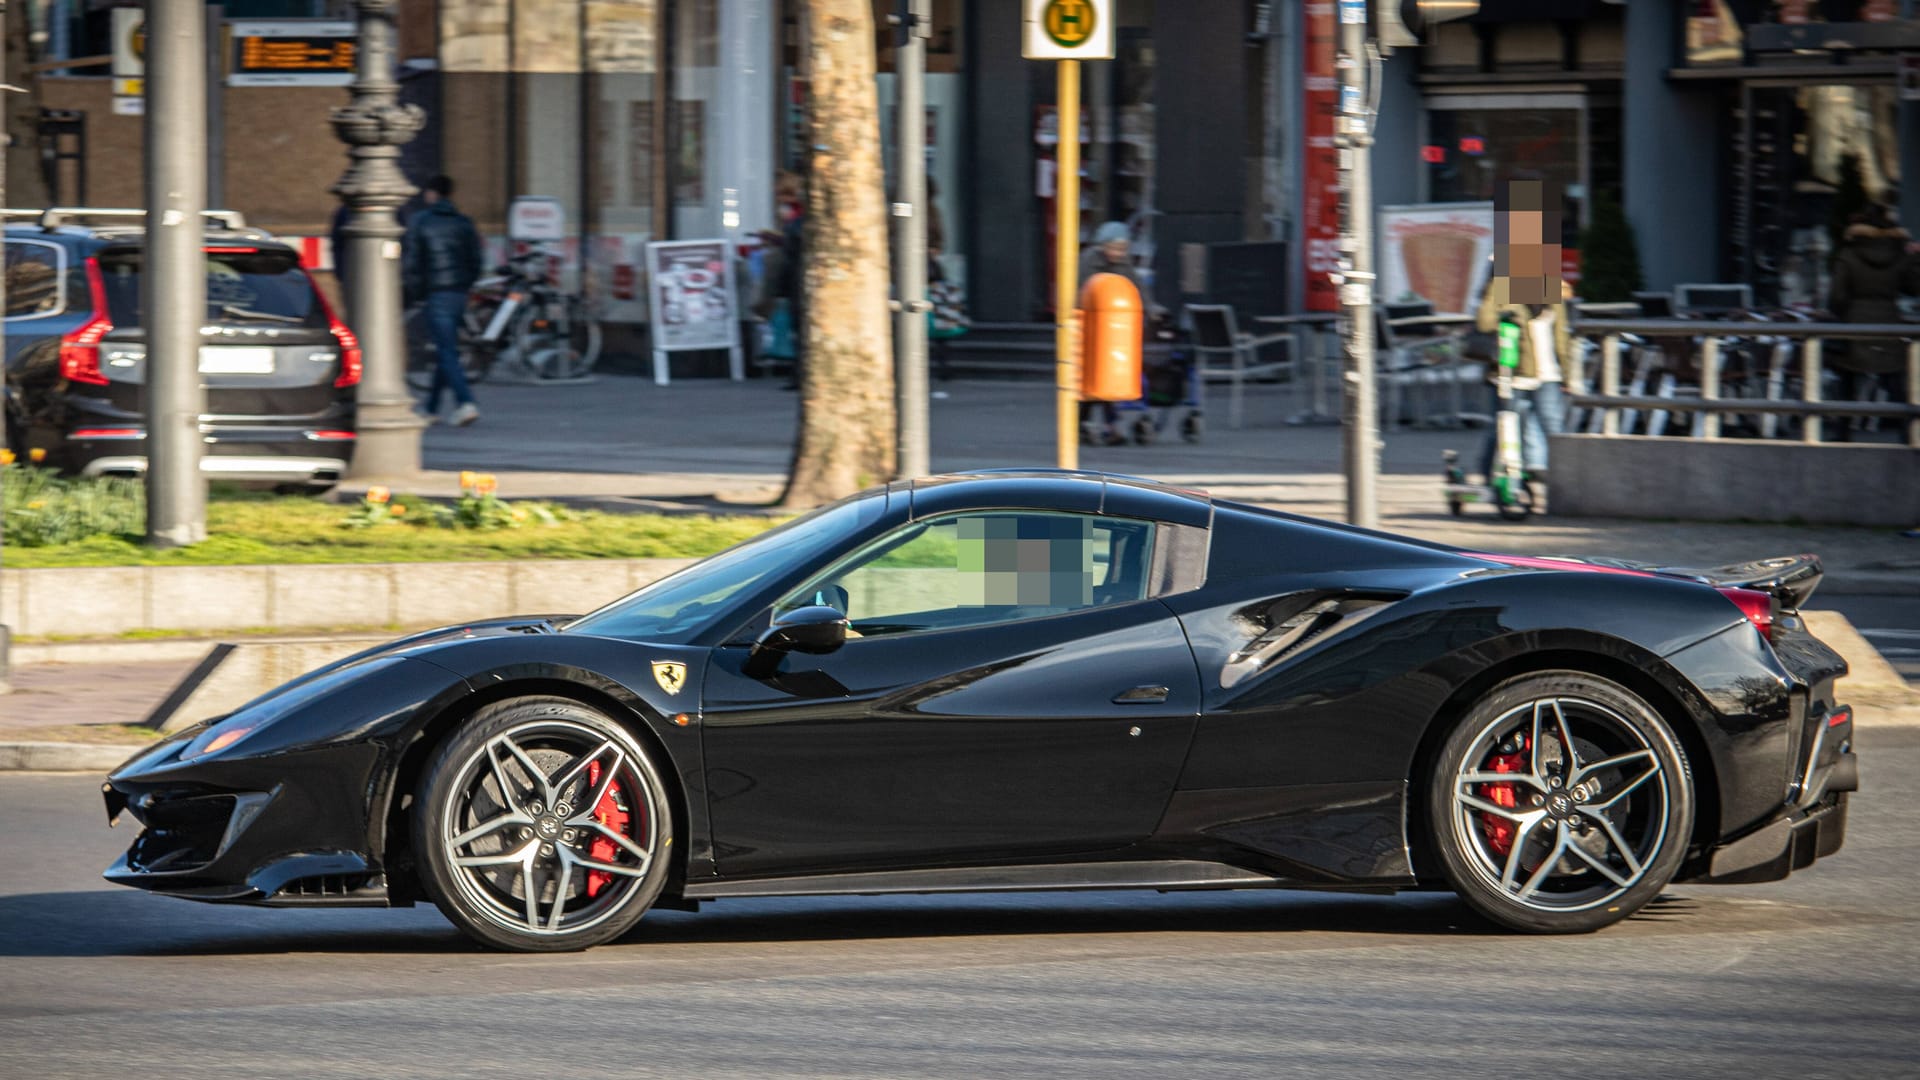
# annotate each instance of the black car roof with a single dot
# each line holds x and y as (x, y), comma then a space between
(1059, 489)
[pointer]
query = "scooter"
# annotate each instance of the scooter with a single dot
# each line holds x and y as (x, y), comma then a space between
(1509, 488)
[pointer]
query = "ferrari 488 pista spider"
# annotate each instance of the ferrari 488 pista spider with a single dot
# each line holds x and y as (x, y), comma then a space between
(1035, 680)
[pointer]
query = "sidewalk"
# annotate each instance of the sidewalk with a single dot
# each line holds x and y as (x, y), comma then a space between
(621, 442)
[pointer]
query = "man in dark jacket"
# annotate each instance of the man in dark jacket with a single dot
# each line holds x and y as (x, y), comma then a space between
(440, 262)
(1871, 273)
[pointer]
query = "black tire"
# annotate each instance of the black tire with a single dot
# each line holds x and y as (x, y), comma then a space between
(1454, 507)
(1608, 828)
(1144, 431)
(543, 837)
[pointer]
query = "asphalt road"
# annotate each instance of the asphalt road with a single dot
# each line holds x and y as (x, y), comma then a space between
(1815, 976)
(1890, 623)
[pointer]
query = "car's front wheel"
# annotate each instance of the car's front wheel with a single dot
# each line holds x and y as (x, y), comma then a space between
(1560, 803)
(543, 826)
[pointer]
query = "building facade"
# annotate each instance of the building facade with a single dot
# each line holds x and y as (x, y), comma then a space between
(1730, 130)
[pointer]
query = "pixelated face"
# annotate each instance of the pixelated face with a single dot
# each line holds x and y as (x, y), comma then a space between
(1028, 559)
(1526, 252)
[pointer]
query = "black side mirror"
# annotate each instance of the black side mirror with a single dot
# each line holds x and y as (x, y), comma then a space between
(816, 630)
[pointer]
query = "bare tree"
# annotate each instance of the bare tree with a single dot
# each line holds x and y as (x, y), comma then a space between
(846, 435)
(22, 108)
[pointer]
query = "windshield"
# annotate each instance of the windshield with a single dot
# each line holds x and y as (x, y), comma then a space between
(675, 609)
(244, 288)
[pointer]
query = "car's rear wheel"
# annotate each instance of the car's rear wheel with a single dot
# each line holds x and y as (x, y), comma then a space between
(543, 827)
(1560, 803)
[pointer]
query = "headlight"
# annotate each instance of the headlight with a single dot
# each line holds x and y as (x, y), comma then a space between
(274, 704)
(219, 737)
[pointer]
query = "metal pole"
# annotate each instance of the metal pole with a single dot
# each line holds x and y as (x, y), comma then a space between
(216, 107)
(1355, 140)
(173, 280)
(6, 635)
(374, 126)
(1066, 267)
(910, 237)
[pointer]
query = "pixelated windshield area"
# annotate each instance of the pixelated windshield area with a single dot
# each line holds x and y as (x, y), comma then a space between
(1526, 242)
(975, 569)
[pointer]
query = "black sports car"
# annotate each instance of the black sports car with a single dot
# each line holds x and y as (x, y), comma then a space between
(1035, 680)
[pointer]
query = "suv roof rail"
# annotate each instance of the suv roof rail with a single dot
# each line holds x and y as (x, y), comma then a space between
(55, 216)
(13, 212)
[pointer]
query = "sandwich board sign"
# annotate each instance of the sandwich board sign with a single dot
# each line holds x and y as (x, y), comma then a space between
(690, 285)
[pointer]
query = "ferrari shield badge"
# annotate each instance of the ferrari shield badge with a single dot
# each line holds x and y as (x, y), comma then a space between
(670, 674)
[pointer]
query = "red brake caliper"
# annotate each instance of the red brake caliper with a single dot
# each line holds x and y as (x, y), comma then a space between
(1499, 830)
(608, 814)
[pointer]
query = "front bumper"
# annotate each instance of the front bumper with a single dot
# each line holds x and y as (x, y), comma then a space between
(250, 832)
(1814, 823)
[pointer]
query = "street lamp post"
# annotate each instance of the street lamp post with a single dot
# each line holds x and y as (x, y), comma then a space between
(374, 126)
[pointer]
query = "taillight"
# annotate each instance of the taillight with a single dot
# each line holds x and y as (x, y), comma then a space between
(80, 348)
(349, 352)
(1757, 606)
(350, 365)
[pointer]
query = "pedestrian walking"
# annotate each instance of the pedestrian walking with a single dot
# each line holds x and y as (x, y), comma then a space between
(1873, 269)
(441, 259)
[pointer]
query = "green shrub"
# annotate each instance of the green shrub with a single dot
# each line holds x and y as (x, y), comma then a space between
(41, 507)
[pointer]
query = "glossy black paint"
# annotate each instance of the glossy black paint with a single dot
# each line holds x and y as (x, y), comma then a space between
(1267, 712)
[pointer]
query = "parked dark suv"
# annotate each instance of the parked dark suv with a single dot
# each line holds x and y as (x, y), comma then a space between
(279, 368)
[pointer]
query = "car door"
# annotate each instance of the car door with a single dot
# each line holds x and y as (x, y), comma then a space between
(1010, 689)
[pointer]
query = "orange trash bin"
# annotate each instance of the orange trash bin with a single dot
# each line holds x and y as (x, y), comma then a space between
(1112, 326)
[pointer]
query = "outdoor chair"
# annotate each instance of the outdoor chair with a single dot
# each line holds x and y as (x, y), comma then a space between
(1220, 350)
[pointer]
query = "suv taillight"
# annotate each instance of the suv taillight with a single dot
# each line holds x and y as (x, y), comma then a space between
(350, 360)
(1757, 606)
(349, 352)
(80, 348)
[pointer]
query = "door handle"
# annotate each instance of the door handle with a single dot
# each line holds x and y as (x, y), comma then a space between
(1142, 695)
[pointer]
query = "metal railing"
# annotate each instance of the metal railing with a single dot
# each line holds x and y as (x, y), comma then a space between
(1807, 337)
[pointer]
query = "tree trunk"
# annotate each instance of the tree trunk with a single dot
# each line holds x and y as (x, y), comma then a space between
(846, 437)
(24, 184)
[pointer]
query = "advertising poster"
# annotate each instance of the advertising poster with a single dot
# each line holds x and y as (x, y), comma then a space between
(1320, 167)
(693, 301)
(1438, 252)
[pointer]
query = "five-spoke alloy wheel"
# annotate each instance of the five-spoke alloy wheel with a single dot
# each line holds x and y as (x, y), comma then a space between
(542, 826)
(1560, 803)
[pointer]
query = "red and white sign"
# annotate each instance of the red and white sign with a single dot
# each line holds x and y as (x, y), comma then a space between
(1320, 174)
(536, 217)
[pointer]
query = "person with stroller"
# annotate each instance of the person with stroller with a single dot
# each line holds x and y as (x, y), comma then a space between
(1109, 253)
(1527, 291)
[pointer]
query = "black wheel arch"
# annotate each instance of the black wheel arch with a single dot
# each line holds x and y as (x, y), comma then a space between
(604, 695)
(1652, 680)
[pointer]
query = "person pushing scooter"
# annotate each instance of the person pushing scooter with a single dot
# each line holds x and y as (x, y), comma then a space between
(1525, 308)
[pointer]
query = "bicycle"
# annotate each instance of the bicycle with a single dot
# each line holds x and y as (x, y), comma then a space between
(478, 351)
(517, 317)
(555, 336)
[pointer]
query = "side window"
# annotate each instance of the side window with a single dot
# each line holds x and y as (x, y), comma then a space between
(35, 273)
(982, 568)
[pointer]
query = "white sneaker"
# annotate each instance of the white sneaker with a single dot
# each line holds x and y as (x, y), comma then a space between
(464, 415)
(426, 417)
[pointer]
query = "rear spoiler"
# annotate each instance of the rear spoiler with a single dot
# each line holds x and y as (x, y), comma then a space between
(1790, 579)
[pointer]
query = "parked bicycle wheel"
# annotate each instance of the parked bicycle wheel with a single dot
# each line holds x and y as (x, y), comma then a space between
(557, 338)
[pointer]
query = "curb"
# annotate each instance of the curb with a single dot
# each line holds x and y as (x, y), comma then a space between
(64, 757)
